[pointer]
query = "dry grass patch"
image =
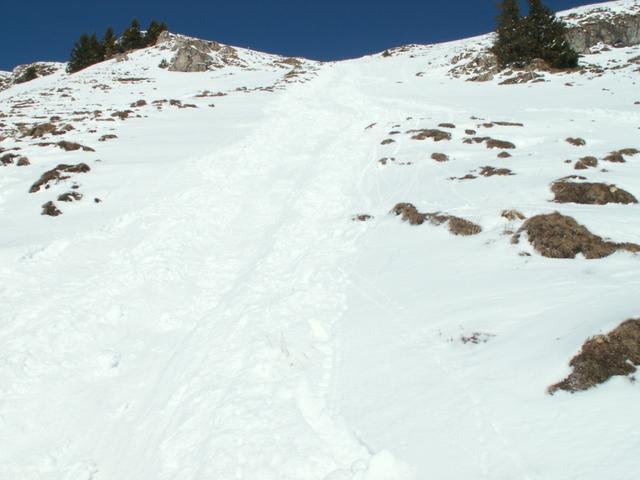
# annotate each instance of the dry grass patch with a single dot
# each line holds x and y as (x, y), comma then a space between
(489, 171)
(456, 225)
(586, 162)
(578, 142)
(501, 144)
(435, 134)
(57, 174)
(555, 235)
(602, 357)
(50, 210)
(512, 215)
(590, 193)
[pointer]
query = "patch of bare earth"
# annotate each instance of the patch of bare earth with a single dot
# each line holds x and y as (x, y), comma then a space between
(456, 225)
(555, 235)
(590, 193)
(602, 357)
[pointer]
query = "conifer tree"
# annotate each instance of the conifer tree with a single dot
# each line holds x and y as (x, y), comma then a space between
(509, 46)
(79, 55)
(538, 35)
(132, 37)
(109, 43)
(546, 37)
(154, 30)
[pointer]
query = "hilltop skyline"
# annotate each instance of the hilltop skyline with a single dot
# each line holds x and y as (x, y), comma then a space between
(327, 31)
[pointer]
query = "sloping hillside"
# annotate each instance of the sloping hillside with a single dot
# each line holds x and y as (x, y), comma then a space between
(208, 274)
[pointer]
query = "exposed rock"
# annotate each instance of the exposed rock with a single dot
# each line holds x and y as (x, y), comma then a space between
(617, 30)
(361, 217)
(108, 136)
(387, 141)
(504, 155)
(447, 125)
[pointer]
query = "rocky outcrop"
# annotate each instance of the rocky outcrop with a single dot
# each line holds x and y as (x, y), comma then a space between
(193, 55)
(28, 72)
(617, 31)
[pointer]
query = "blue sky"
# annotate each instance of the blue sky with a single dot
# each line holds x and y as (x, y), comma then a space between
(327, 30)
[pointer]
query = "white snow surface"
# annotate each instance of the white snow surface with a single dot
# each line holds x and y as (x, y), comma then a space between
(218, 314)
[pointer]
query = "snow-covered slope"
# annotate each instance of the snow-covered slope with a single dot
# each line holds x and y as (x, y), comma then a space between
(210, 309)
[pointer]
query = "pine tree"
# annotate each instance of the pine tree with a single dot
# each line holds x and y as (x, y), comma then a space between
(87, 51)
(109, 43)
(79, 55)
(132, 37)
(538, 35)
(154, 30)
(546, 37)
(509, 46)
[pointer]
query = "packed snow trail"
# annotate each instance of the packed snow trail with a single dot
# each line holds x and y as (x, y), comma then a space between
(219, 302)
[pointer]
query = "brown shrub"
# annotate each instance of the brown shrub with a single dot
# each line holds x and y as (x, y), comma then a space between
(139, 103)
(501, 144)
(439, 157)
(470, 132)
(106, 137)
(489, 171)
(504, 155)
(555, 235)
(436, 135)
(387, 141)
(602, 357)
(578, 142)
(586, 162)
(50, 209)
(57, 175)
(447, 125)
(23, 162)
(590, 193)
